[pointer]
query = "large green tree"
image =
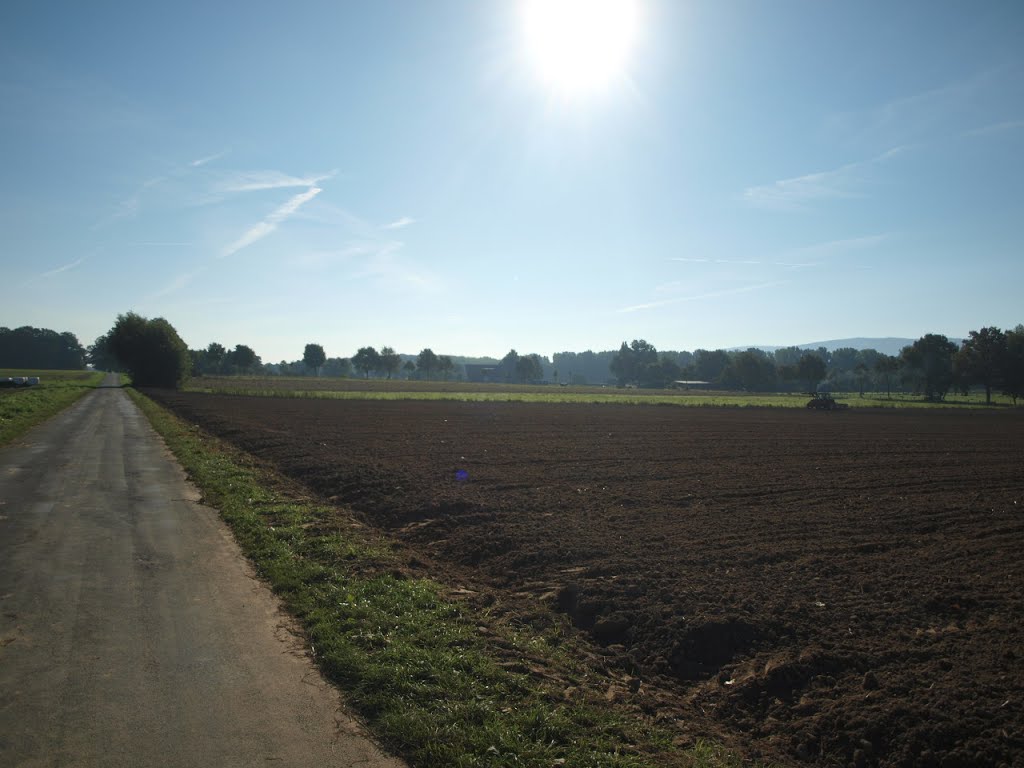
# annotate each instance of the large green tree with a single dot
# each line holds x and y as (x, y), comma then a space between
(887, 365)
(313, 357)
(982, 358)
(811, 369)
(367, 359)
(151, 351)
(529, 369)
(243, 359)
(752, 371)
(40, 348)
(426, 363)
(100, 356)
(215, 356)
(507, 368)
(390, 362)
(446, 366)
(930, 364)
(1013, 366)
(338, 367)
(635, 363)
(709, 365)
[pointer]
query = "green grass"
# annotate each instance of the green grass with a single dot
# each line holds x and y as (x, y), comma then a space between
(24, 407)
(427, 672)
(526, 394)
(627, 397)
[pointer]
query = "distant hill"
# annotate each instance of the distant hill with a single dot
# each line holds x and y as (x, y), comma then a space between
(890, 345)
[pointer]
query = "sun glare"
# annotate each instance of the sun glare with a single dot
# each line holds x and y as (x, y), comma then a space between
(579, 45)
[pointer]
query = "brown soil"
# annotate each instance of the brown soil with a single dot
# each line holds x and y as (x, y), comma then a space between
(819, 588)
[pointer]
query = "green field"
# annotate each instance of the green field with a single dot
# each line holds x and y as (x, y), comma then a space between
(380, 389)
(24, 407)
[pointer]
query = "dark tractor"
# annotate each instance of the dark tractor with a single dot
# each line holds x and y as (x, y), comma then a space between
(823, 401)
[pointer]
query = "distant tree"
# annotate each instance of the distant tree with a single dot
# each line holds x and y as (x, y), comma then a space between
(528, 369)
(930, 361)
(788, 356)
(811, 369)
(367, 359)
(314, 357)
(752, 371)
(982, 358)
(634, 362)
(868, 358)
(150, 350)
(887, 365)
(409, 368)
(390, 362)
(663, 374)
(844, 359)
(215, 356)
(446, 366)
(588, 366)
(40, 348)
(337, 367)
(1013, 365)
(508, 367)
(862, 371)
(709, 365)
(242, 359)
(426, 363)
(682, 359)
(100, 356)
(789, 374)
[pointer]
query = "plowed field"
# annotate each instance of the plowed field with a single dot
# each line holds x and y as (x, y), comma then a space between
(818, 588)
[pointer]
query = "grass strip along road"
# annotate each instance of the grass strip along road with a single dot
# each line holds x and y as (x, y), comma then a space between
(429, 677)
(21, 408)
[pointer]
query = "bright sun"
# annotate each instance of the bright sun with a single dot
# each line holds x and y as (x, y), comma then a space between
(579, 45)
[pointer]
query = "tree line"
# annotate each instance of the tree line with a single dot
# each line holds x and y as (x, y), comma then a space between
(40, 349)
(933, 365)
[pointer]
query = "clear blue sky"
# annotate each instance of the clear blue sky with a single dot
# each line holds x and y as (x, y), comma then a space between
(412, 174)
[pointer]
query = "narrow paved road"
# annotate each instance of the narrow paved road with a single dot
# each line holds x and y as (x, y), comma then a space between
(132, 630)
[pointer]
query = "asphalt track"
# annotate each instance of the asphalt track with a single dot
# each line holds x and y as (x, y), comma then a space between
(132, 630)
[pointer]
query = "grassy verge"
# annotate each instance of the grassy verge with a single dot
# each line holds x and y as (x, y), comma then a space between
(23, 408)
(428, 673)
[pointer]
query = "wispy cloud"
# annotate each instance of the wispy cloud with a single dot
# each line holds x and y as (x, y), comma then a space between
(328, 257)
(842, 246)
(745, 262)
(271, 222)
(130, 206)
(995, 128)
(700, 296)
(65, 268)
(932, 114)
(384, 265)
(798, 192)
(161, 244)
(401, 223)
(253, 181)
(176, 284)
(209, 159)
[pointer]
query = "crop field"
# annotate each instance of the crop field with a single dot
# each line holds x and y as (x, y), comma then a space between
(399, 389)
(815, 588)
